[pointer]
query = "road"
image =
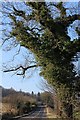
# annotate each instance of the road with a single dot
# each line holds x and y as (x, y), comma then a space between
(40, 113)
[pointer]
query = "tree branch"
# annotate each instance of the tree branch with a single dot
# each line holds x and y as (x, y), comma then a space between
(68, 20)
(21, 67)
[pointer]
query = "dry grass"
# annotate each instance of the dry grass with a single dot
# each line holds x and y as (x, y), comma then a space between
(8, 108)
(51, 113)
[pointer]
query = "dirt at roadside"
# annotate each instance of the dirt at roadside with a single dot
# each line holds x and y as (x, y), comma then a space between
(51, 113)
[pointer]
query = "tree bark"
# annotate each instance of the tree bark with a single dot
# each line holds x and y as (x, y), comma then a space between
(69, 110)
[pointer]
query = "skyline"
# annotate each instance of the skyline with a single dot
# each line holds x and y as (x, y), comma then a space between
(23, 85)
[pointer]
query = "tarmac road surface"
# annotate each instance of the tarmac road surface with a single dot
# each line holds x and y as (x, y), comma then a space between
(39, 114)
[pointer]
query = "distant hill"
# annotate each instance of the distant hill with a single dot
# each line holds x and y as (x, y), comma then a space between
(7, 92)
(12, 100)
(10, 95)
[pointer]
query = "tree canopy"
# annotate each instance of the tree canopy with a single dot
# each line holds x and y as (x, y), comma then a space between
(45, 33)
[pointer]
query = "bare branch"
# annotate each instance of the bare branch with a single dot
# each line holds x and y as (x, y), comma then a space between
(45, 86)
(17, 53)
(20, 67)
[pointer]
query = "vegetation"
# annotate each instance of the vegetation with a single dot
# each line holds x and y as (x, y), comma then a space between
(47, 99)
(45, 34)
(16, 103)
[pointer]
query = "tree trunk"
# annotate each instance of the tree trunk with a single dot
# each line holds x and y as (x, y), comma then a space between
(69, 110)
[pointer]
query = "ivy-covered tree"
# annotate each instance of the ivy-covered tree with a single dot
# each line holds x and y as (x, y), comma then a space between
(45, 33)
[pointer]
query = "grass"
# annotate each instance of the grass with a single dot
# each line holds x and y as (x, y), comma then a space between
(8, 108)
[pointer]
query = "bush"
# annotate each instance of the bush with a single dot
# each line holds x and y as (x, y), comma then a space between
(7, 116)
